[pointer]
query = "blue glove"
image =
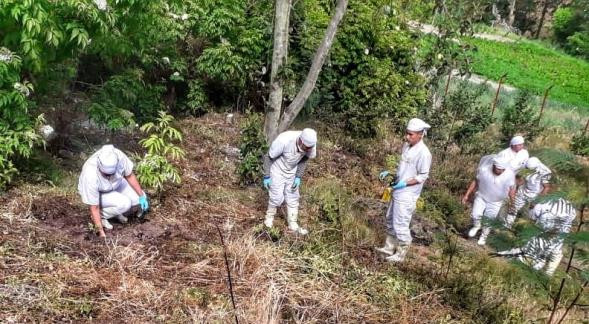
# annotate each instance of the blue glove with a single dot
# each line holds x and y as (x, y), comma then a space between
(143, 202)
(296, 183)
(383, 175)
(267, 182)
(400, 185)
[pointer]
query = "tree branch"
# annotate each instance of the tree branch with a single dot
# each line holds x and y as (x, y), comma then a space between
(297, 104)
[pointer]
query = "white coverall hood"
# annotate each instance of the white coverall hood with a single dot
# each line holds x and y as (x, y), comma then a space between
(516, 140)
(500, 163)
(108, 160)
(417, 125)
(309, 137)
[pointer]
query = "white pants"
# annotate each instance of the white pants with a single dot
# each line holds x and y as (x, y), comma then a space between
(399, 218)
(482, 208)
(118, 201)
(281, 191)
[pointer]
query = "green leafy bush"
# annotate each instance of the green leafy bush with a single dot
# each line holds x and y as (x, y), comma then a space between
(462, 116)
(521, 118)
(155, 169)
(580, 144)
(17, 128)
(564, 23)
(370, 73)
(124, 97)
(252, 148)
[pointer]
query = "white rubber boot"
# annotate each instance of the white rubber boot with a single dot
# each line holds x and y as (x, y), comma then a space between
(122, 219)
(483, 239)
(270, 213)
(292, 216)
(475, 229)
(399, 256)
(106, 224)
(389, 246)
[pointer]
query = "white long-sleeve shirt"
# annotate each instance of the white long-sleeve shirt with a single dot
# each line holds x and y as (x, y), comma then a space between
(286, 155)
(415, 164)
(517, 160)
(535, 182)
(492, 187)
(554, 215)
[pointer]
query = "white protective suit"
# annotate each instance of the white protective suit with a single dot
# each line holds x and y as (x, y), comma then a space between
(492, 190)
(286, 156)
(415, 164)
(113, 194)
(555, 218)
(517, 160)
(534, 184)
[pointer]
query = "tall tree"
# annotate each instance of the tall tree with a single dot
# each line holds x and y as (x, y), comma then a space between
(279, 119)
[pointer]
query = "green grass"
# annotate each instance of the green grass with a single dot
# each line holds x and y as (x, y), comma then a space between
(533, 66)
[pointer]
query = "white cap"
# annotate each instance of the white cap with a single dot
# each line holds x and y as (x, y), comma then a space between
(533, 163)
(417, 125)
(309, 137)
(500, 163)
(108, 160)
(516, 140)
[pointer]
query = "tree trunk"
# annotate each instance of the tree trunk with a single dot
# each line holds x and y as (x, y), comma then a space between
(511, 17)
(542, 17)
(279, 55)
(297, 104)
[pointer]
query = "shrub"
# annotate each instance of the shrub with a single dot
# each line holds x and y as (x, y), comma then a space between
(252, 148)
(580, 144)
(124, 98)
(564, 23)
(521, 118)
(155, 169)
(462, 116)
(17, 128)
(370, 73)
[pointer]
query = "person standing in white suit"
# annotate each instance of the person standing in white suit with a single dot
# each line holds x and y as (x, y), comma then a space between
(108, 185)
(494, 183)
(516, 154)
(412, 172)
(284, 166)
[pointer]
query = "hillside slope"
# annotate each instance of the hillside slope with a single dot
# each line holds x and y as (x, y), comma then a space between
(170, 267)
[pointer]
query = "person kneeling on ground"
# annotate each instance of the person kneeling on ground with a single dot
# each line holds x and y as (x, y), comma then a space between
(494, 183)
(284, 166)
(544, 251)
(108, 185)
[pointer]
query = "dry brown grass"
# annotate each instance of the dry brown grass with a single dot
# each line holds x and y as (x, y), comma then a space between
(171, 268)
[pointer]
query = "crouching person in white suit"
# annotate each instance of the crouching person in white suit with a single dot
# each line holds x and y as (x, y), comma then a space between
(284, 166)
(108, 185)
(544, 251)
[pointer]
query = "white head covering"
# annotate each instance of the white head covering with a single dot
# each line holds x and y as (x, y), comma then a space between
(533, 163)
(417, 125)
(309, 137)
(108, 160)
(516, 140)
(500, 163)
